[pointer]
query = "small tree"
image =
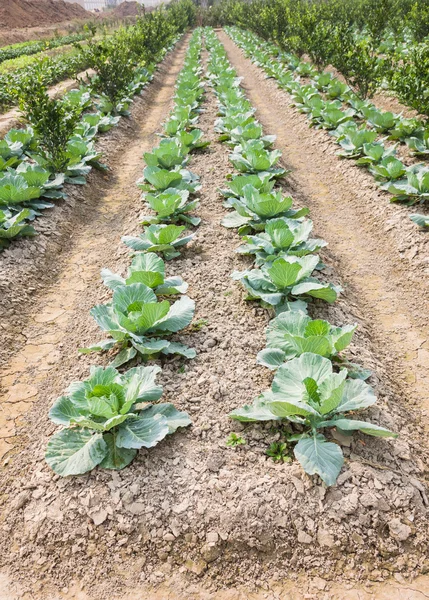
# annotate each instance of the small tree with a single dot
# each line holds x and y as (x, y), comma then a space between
(52, 120)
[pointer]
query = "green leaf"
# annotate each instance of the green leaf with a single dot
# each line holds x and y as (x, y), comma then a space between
(175, 418)
(258, 411)
(368, 428)
(283, 273)
(141, 385)
(271, 358)
(116, 458)
(144, 432)
(63, 411)
(75, 451)
(179, 316)
(317, 456)
(123, 357)
(357, 395)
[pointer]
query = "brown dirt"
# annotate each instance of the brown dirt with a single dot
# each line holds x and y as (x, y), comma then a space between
(27, 13)
(129, 8)
(190, 508)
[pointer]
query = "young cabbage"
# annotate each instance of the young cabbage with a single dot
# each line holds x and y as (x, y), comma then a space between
(387, 170)
(135, 319)
(159, 180)
(147, 268)
(254, 209)
(285, 279)
(292, 333)
(171, 206)
(169, 154)
(255, 159)
(306, 391)
(107, 418)
(162, 239)
(251, 131)
(12, 227)
(282, 237)
(382, 122)
(413, 189)
(352, 141)
(262, 182)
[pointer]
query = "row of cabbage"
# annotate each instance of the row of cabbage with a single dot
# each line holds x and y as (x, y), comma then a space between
(36, 46)
(57, 146)
(314, 387)
(32, 175)
(107, 418)
(50, 69)
(323, 99)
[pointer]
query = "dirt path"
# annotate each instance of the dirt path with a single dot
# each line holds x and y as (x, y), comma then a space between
(83, 245)
(382, 257)
(191, 516)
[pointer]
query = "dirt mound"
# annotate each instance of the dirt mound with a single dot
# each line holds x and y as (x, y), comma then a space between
(128, 9)
(31, 13)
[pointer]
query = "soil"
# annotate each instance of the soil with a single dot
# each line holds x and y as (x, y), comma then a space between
(26, 13)
(190, 518)
(129, 8)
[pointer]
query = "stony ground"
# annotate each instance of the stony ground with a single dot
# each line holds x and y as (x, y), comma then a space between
(192, 518)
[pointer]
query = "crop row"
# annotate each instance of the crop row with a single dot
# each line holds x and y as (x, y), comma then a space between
(57, 146)
(374, 45)
(347, 126)
(314, 387)
(36, 46)
(50, 70)
(111, 415)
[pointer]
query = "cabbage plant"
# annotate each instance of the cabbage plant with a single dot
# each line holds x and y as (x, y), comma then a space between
(381, 121)
(262, 182)
(389, 169)
(14, 226)
(419, 146)
(282, 237)
(193, 140)
(308, 393)
(407, 128)
(162, 239)
(15, 189)
(147, 268)
(251, 131)
(331, 117)
(375, 152)
(413, 189)
(292, 333)
(352, 141)
(169, 154)
(138, 323)
(255, 159)
(285, 279)
(159, 180)
(171, 206)
(107, 418)
(254, 209)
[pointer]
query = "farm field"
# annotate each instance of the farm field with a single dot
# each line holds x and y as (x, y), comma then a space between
(214, 369)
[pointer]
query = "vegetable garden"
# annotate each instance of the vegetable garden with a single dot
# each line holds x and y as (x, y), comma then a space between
(214, 370)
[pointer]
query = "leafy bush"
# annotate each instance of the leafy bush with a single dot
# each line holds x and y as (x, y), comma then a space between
(53, 122)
